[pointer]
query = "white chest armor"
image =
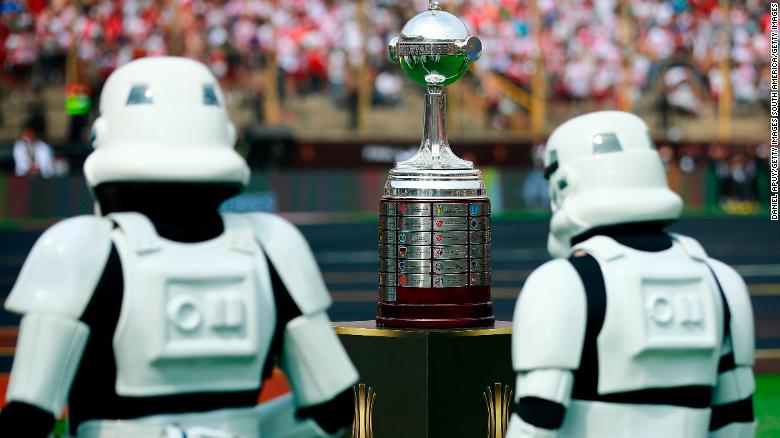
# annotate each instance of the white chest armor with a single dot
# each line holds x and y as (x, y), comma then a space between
(664, 318)
(196, 317)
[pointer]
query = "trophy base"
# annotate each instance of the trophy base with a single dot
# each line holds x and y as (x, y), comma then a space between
(437, 308)
(434, 263)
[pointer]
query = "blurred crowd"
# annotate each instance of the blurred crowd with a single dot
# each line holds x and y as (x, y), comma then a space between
(734, 178)
(666, 42)
(589, 47)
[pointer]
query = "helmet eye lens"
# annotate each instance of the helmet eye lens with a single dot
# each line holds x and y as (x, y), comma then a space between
(210, 96)
(606, 143)
(140, 95)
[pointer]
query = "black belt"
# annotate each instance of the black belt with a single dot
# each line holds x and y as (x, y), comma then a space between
(683, 396)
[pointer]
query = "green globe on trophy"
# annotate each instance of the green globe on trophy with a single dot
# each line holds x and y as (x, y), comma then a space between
(435, 48)
(434, 220)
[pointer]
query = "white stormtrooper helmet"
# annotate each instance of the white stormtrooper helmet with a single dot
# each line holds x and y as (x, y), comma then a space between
(603, 170)
(163, 119)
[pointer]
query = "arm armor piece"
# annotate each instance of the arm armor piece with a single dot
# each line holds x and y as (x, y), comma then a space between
(742, 332)
(732, 398)
(64, 267)
(520, 429)
(291, 255)
(550, 384)
(543, 394)
(47, 356)
(733, 385)
(551, 312)
(54, 287)
(550, 317)
(735, 430)
(314, 360)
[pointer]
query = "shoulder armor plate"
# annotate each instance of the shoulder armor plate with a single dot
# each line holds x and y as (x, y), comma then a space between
(62, 270)
(550, 318)
(293, 260)
(738, 299)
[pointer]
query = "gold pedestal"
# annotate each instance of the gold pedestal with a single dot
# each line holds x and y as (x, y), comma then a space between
(425, 383)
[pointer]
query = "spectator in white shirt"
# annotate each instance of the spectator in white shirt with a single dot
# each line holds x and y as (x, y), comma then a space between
(32, 156)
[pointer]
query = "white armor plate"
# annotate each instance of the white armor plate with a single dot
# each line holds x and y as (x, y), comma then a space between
(195, 317)
(660, 306)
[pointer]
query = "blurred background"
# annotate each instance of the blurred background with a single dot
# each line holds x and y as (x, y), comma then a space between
(323, 114)
(311, 89)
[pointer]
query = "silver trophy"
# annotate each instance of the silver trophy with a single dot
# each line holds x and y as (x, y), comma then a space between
(434, 219)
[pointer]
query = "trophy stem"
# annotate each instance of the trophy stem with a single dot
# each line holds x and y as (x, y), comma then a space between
(435, 124)
(435, 152)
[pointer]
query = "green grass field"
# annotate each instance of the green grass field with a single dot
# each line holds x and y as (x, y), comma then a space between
(767, 405)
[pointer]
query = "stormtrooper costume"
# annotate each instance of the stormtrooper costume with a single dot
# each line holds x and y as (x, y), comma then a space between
(160, 317)
(630, 331)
